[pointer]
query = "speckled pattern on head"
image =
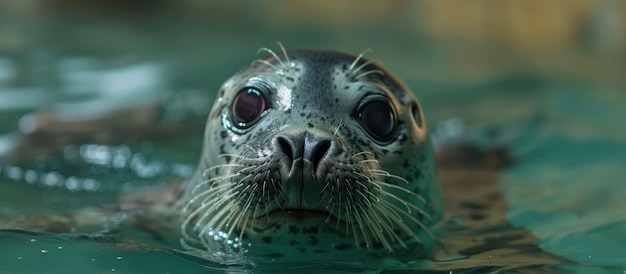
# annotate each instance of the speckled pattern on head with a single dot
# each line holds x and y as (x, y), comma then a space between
(312, 155)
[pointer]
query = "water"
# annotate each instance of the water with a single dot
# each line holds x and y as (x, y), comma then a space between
(558, 208)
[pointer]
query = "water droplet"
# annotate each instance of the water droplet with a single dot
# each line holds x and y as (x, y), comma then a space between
(44, 251)
(590, 257)
(112, 269)
(33, 240)
(119, 257)
(93, 259)
(19, 257)
(59, 247)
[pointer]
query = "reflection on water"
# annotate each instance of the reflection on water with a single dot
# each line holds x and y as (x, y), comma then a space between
(96, 168)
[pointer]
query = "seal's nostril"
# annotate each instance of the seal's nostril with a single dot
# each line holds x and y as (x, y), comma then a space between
(304, 146)
(285, 146)
(318, 151)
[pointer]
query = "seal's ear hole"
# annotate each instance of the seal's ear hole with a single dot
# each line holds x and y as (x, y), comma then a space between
(417, 114)
(377, 118)
(248, 106)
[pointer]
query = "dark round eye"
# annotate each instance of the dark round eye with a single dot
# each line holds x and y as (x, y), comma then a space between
(247, 107)
(378, 119)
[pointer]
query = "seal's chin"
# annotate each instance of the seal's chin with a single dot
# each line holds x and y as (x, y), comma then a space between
(299, 215)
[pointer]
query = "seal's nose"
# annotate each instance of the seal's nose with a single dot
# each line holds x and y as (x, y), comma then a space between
(305, 158)
(306, 147)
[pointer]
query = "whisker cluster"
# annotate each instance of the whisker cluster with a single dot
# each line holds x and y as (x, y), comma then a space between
(217, 216)
(378, 206)
(284, 63)
(356, 71)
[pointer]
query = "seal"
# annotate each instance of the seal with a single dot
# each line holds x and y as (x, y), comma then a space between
(313, 155)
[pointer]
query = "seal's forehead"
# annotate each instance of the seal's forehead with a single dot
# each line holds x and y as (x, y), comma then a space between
(321, 58)
(323, 70)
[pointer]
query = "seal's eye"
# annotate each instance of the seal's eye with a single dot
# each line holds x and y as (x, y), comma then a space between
(378, 119)
(247, 107)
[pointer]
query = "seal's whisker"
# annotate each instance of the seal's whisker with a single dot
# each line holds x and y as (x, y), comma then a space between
(407, 204)
(359, 68)
(220, 178)
(386, 208)
(362, 227)
(251, 148)
(374, 226)
(271, 52)
(330, 206)
(209, 198)
(375, 71)
(232, 213)
(371, 195)
(279, 190)
(242, 214)
(237, 156)
(412, 218)
(206, 172)
(203, 183)
(205, 196)
(383, 184)
(209, 209)
(387, 215)
(358, 58)
(362, 153)
(243, 226)
(385, 225)
(244, 191)
(338, 127)
(324, 190)
(367, 178)
(369, 161)
(388, 224)
(280, 45)
(355, 235)
(386, 174)
(215, 223)
(365, 198)
(206, 221)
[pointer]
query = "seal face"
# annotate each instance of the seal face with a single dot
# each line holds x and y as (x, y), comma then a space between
(312, 154)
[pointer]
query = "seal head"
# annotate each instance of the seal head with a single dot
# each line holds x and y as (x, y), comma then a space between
(312, 155)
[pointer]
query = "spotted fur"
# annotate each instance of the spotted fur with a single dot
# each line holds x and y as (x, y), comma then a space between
(367, 198)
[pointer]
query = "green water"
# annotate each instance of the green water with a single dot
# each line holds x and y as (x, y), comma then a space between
(567, 136)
